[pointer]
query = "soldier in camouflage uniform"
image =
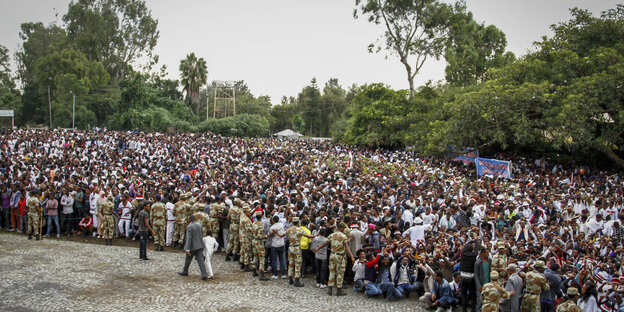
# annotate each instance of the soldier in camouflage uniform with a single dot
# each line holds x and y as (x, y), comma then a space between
(203, 219)
(535, 283)
(215, 210)
(337, 261)
(294, 252)
(244, 233)
(492, 293)
(108, 223)
(34, 215)
(570, 304)
(233, 243)
(188, 208)
(158, 220)
(259, 239)
(178, 212)
(499, 262)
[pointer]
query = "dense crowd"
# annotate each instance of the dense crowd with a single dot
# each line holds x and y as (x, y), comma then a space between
(387, 222)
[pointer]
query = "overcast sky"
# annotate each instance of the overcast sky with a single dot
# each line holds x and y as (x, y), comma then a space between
(278, 46)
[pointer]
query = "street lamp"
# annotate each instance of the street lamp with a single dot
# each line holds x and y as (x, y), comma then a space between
(73, 111)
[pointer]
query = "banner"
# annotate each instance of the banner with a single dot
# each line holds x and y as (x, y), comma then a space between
(469, 155)
(350, 159)
(494, 167)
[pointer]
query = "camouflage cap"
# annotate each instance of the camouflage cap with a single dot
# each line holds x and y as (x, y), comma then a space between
(295, 219)
(539, 264)
(493, 275)
(110, 197)
(572, 291)
(246, 208)
(183, 196)
(501, 244)
(188, 194)
(342, 225)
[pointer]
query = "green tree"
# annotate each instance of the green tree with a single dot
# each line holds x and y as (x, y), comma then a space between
(297, 123)
(309, 106)
(473, 48)
(118, 33)
(414, 30)
(193, 75)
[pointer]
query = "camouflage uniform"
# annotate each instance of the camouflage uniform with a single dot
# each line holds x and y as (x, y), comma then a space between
(535, 283)
(259, 238)
(492, 293)
(215, 211)
(337, 261)
(568, 306)
(108, 223)
(158, 216)
(499, 263)
(233, 217)
(34, 214)
(244, 233)
(203, 219)
(178, 212)
(294, 251)
(186, 212)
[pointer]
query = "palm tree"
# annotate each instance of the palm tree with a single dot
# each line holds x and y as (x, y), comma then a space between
(193, 74)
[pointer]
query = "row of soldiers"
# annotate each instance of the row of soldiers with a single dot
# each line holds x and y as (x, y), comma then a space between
(493, 292)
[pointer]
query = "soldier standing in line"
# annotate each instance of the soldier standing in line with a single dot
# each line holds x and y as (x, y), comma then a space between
(215, 210)
(337, 261)
(186, 212)
(244, 232)
(499, 262)
(178, 213)
(108, 223)
(158, 220)
(570, 304)
(233, 243)
(294, 252)
(259, 238)
(492, 294)
(34, 214)
(535, 283)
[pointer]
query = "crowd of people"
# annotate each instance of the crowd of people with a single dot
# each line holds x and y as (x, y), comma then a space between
(388, 223)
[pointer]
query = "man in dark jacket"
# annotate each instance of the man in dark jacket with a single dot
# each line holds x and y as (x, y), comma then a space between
(194, 247)
(467, 262)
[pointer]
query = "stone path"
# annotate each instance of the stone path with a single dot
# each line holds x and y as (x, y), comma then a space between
(56, 275)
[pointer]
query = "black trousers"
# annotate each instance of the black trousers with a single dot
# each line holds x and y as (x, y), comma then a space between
(143, 246)
(67, 222)
(469, 293)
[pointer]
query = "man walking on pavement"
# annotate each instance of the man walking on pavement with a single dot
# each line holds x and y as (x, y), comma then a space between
(194, 248)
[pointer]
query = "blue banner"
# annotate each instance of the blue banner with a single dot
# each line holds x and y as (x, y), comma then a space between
(493, 167)
(469, 155)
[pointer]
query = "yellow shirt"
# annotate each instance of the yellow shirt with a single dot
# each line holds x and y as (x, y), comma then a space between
(305, 242)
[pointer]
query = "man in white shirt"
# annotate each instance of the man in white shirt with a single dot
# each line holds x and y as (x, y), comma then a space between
(125, 220)
(417, 231)
(277, 247)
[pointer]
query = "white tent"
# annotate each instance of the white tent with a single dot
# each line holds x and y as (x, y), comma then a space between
(288, 134)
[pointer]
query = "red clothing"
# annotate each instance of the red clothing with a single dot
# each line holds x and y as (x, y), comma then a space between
(21, 204)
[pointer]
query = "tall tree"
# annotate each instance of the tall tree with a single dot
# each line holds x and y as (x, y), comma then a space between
(118, 33)
(473, 48)
(193, 75)
(415, 30)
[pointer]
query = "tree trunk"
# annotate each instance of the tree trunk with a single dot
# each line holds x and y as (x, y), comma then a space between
(610, 154)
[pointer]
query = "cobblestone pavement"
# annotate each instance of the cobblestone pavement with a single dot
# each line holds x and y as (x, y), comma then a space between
(55, 275)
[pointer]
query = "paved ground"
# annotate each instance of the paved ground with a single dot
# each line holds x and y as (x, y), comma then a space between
(59, 275)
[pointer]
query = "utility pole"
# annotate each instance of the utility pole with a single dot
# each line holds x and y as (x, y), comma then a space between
(73, 111)
(50, 106)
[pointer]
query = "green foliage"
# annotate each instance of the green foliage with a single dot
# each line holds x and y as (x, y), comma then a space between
(239, 125)
(414, 31)
(473, 49)
(193, 75)
(297, 123)
(117, 33)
